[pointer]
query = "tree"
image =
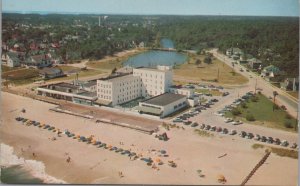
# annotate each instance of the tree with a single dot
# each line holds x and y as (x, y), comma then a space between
(207, 60)
(275, 93)
(114, 70)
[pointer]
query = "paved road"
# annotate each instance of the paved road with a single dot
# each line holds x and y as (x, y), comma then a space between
(283, 98)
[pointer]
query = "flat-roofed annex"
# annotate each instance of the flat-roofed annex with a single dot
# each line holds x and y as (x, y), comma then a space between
(164, 99)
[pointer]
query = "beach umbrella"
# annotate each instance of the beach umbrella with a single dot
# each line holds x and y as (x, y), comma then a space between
(221, 178)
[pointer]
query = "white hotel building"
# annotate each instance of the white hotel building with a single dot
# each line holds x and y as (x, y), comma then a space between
(142, 82)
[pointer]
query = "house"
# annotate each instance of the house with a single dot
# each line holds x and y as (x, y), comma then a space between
(270, 71)
(234, 51)
(38, 61)
(290, 84)
(141, 45)
(254, 63)
(50, 73)
(55, 59)
(12, 59)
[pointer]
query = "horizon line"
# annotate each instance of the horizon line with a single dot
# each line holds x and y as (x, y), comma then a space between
(136, 14)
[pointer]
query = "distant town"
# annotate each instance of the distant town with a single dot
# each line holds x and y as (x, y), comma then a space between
(110, 97)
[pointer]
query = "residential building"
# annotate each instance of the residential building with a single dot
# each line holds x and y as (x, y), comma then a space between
(38, 61)
(12, 59)
(254, 63)
(163, 105)
(234, 51)
(50, 73)
(290, 84)
(270, 71)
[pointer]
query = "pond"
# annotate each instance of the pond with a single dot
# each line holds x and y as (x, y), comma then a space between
(154, 58)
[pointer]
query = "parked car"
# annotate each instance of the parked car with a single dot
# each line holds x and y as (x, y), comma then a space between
(250, 135)
(227, 120)
(242, 134)
(213, 128)
(177, 120)
(257, 137)
(238, 122)
(207, 127)
(195, 124)
(214, 100)
(284, 143)
(277, 141)
(187, 122)
(270, 140)
(219, 129)
(225, 131)
(233, 132)
(263, 139)
(294, 146)
(202, 126)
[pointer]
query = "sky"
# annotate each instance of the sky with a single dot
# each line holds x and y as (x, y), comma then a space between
(168, 7)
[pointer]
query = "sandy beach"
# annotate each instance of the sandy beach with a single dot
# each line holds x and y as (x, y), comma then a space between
(90, 164)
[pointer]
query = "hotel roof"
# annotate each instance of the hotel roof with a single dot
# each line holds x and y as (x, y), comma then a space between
(164, 99)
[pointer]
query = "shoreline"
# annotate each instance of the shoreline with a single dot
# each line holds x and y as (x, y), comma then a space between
(35, 168)
(90, 164)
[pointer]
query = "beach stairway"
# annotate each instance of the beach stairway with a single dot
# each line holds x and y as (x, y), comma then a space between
(260, 163)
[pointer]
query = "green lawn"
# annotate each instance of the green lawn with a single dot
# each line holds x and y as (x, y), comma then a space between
(262, 110)
(6, 68)
(21, 76)
(81, 74)
(208, 72)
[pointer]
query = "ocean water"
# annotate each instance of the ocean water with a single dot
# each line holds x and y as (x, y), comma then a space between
(17, 170)
(17, 174)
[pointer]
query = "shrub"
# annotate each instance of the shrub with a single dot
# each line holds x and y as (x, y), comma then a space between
(276, 107)
(243, 105)
(250, 117)
(259, 92)
(254, 98)
(235, 111)
(287, 116)
(288, 124)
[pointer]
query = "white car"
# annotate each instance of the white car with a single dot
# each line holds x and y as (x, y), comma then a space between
(227, 120)
(239, 122)
(234, 123)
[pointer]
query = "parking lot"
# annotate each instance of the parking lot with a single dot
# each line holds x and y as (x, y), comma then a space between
(210, 117)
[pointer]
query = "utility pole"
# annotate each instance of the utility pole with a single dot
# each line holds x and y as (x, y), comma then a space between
(296, 126)
(255, 85)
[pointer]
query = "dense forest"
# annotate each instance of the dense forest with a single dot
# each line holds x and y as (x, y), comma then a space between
(274, 40)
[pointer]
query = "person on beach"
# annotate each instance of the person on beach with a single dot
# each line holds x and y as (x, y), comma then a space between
(33, 154)
(68, 159)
